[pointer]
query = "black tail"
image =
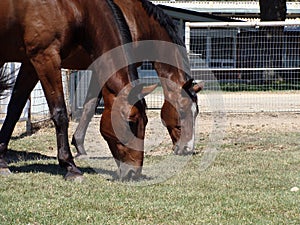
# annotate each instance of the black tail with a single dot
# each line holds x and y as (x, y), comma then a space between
(6, 81)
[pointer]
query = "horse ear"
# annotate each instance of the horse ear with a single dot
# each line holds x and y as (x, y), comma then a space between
(138, 92)
(188, 84)
(147, 90)
(195, 86)
(198, 86)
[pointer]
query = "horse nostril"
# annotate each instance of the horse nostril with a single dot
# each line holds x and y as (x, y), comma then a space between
(176, 150)
(187, 150)
(182, 151)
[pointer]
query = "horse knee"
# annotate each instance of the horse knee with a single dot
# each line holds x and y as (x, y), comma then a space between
(60, 117)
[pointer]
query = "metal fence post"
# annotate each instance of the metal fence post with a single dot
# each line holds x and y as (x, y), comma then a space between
(187, 37)
(28, 121)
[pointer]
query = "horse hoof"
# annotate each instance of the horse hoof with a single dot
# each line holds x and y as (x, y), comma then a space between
(5, 171)
(79, 178)
(79, 147)
(80, 155)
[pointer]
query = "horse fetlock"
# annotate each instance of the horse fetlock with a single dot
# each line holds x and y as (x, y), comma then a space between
(78, 143)
(65, 163)
(3, 149)
(3, 163)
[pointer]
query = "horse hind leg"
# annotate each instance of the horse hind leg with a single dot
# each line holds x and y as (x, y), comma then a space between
(92, 98)
(25, 82)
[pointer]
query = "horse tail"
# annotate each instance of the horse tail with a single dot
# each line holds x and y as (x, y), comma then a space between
(6, 82)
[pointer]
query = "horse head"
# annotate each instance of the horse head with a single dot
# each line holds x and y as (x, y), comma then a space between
(123, 127)
(179, 113)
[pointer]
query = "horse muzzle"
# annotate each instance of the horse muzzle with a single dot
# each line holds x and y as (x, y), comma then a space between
(183, 150)
(127, 172)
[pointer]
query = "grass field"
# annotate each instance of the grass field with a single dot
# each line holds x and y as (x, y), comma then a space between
(249, 183)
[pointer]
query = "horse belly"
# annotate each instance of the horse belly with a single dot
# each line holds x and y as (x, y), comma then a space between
(78, 59)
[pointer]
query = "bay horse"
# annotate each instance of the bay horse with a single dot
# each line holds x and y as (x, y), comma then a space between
(41, 34)
(148, 22)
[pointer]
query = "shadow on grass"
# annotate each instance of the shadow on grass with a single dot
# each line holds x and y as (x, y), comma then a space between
(46, 165)
(13, 156)
(38, 162)
(50, 168)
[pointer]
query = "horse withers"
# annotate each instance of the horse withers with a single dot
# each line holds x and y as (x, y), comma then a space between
(40, 35)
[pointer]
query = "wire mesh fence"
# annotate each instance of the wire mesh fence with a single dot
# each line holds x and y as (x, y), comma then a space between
(11, 71)
(36, 109)
(255, 65)
(80, 80)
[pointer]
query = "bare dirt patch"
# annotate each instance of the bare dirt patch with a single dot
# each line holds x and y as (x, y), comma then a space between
(232, 127)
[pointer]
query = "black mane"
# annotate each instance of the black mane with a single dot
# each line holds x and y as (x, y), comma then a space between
(121, 22)
(125, 35)
(164, 20)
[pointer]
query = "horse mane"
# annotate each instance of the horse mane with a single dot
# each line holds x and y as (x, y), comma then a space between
(121, 22)
(125, 35)
(164, 20)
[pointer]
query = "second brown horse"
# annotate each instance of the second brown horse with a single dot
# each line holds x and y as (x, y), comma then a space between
(148, 22)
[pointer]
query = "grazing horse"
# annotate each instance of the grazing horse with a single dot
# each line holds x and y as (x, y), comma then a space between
(148, 22)
(41, 34)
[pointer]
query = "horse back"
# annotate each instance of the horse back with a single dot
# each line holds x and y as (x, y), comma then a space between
(26, 27)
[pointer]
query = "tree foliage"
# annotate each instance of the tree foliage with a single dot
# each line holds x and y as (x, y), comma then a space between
(272, 10)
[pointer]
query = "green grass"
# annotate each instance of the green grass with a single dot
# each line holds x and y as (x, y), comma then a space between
(248, 183)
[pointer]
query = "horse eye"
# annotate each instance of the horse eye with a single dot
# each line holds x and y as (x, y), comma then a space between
(133, 126)
(182, 113)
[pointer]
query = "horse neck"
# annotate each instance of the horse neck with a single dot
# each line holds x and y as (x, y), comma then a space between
(102, 40)
(151, 29)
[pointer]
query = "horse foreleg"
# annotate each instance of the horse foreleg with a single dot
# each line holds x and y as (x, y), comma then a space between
(47, 66)
(24, 84)
(92, 99)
